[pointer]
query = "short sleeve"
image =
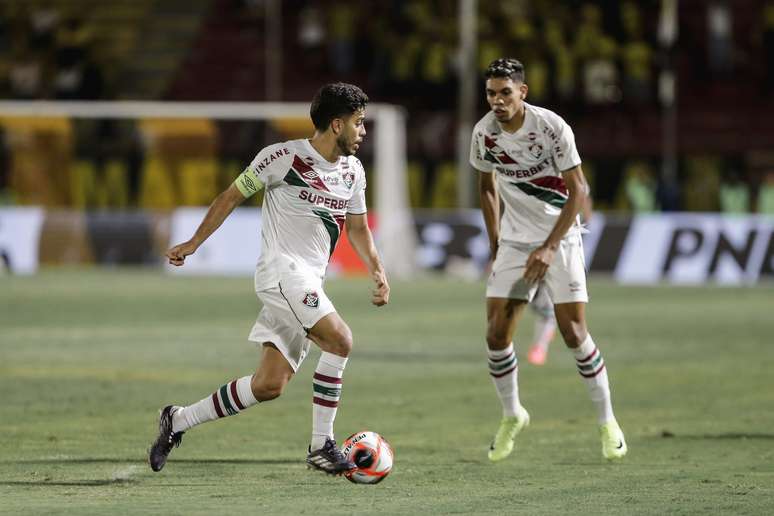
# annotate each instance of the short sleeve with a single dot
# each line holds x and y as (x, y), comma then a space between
(357, 204)
(563, 149)
(268, 168)
(477, 153)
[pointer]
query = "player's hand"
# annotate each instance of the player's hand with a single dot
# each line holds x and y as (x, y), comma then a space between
(537, 264)
(490, 263)
(178, 253)
(381, 293)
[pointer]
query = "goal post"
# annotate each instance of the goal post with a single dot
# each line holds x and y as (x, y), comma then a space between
(395, 230)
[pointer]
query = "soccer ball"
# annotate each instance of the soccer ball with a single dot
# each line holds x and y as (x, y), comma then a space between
(372, 455)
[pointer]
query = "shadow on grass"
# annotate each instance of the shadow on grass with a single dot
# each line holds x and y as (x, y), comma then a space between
(86, 483)
(70, 483)
(73, 460)
(723, 436)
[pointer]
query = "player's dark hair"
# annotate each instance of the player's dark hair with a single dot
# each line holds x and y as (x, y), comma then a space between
(506, 67)
(335, 101)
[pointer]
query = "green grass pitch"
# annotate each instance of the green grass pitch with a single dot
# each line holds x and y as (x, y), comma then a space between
(88, 357)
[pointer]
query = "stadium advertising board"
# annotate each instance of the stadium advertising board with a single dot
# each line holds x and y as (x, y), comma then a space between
(20, 238)
(676, 248)
(684, 248)
(233, 249)
(697, 248)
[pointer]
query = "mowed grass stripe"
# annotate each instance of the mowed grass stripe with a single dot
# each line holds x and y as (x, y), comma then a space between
(88, 357)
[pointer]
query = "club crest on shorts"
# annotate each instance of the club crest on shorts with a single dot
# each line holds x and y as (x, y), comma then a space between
(311, 299)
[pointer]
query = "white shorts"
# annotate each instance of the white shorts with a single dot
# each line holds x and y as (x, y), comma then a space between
(565, 280)
(289, 311)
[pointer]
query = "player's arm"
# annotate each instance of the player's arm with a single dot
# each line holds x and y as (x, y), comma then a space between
(588, 208)
(541, 258)
(362, 241)
(490, 208)
(220, 208)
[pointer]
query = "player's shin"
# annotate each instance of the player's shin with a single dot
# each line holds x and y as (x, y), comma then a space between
(504, 369)
(229, 400)
(327, 391)
(591, 367)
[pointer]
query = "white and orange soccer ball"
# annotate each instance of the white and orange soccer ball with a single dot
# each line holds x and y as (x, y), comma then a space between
(371, 453)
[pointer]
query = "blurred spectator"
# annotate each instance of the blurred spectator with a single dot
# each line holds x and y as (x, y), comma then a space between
(25, 76)
(768, 45)
(77, 79)
(600, 75)
(44, 21)
(702, 184)
(636, 56)
(563, 60)
(311, 28)
(720, 45)
(5, 166)
(311, 38)
(734, 194)
(640, 187)
(597, 52)
(766, 194)
(538, 78)
(342, 21)
(72, 40)
(436, 131)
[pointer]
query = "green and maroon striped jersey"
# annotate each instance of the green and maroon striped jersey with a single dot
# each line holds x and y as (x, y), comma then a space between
(528, 165)
(307, 199)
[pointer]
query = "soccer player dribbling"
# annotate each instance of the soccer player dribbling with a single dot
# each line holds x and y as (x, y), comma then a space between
(526, 156)
(314, 188)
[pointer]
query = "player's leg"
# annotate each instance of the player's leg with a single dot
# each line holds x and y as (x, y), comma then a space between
(566, 280)
(545, 326)
(502, 317)
(591, 367)
(507, 294)
(334, 338)
(270, 378)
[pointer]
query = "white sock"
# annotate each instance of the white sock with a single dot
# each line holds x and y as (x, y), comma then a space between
(327, 391)
(229, 400)
(545, 327)
(504, 369)
(591, 367)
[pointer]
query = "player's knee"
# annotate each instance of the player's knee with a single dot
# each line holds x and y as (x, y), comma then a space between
(340, 343)
(496, 339)
(265, 390)
(573, 334)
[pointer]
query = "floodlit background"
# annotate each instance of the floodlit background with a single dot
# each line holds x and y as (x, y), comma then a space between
(120, 120)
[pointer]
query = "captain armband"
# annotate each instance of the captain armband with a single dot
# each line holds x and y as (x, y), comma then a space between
(247, 183)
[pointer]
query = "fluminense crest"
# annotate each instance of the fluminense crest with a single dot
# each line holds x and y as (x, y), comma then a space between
(311, 299)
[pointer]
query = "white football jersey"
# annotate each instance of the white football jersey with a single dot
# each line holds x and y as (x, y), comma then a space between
(528, 165)
(304, 208)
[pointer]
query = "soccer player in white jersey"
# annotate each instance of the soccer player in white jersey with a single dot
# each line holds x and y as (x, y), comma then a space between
(543, 309)
(314, 188)
(527, 157)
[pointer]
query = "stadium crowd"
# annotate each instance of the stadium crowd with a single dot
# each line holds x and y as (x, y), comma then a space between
(597, 63)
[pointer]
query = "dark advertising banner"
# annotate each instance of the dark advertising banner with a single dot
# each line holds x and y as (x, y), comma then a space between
(684, 248)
